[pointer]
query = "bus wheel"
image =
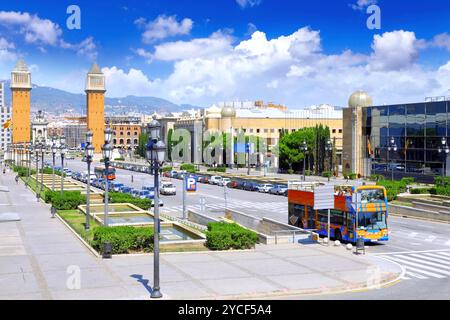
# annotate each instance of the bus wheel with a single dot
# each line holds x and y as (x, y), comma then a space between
(338, 235)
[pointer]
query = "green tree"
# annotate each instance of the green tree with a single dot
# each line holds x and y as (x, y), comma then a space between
(142, 145)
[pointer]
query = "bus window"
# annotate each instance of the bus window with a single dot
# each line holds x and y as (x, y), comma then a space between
(311, 218)
(337, 217)
(372, 220)
(323, 216)
(296, 215)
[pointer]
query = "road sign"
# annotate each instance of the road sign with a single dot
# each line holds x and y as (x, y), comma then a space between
(191, 184)
(324, 198)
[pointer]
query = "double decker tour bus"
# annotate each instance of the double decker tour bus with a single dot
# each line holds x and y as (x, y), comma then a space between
(100, 172)
(359, 212)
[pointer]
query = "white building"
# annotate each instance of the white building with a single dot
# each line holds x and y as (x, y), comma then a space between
(5, 115)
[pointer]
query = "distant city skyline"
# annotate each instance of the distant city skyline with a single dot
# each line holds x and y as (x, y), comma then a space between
(203, 52)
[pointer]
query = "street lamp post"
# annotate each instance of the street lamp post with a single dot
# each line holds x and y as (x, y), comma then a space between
(304, 148)
(392, 147)
(107, 150)
(43, 151)
(62, 150)
(29, 150)
(155, 154)
(54, 150)
(444, 150)
(89, 153)
(36, 159)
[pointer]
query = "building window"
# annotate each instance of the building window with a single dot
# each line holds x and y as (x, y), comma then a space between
(334, 130)
(257, 130)
(340, 130)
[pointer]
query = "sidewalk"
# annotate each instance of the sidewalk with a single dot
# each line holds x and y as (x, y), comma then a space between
(40, 259)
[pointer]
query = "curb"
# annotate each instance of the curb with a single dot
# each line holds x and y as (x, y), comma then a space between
(419, 218)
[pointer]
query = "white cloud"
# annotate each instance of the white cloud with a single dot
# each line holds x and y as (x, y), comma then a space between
(34, 29)
(395, 50)
(134, 82)
(290, 69)
(442, 41)
(362, 4)
(6, 53)
(217, 44)
(248, 3)
(163, 27)
(86, 48)
(43, 32)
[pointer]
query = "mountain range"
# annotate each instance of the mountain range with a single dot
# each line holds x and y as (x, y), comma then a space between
(59, 101)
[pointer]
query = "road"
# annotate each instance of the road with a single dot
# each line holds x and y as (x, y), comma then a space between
(421, 247)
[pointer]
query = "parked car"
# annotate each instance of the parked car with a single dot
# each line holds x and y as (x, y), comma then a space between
(265, 187)
(249, 186)
(167, 188)
(127, 190)
(151, 191)
(202, 179)
(278, 190)
(116, 186)
(173, 174)
(225, 182)
(216, 180)
(233, 184)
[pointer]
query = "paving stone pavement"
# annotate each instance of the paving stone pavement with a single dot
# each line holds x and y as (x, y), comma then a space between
(41, 259)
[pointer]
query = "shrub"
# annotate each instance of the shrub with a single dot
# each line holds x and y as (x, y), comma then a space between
(119, 159)
(69, 200)
(218, 169)
(290, 171)
(420, 191)
(226, 236)
(116, 197)
(23, 171)
(123, 239)
(187, 167)
(395, 187)
(327, 174)
(166, 169)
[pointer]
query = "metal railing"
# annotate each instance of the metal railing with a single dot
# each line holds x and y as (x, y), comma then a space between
(293, 232)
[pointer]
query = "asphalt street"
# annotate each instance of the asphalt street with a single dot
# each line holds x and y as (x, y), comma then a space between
(421, 247)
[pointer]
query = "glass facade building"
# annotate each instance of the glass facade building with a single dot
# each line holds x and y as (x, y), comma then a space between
(418, 131)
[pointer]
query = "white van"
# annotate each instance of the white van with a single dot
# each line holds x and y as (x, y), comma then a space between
(217, 180)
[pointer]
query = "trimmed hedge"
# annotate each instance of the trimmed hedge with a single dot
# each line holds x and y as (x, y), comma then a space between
(117, 197)
(167, 169)
(226, 236)
(69, 200)
(422, 190)
(218, 169)
(394, 188)
(123, 239)
(23, 171)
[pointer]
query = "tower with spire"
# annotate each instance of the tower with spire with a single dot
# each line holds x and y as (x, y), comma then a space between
(95, 95)
(21, 101)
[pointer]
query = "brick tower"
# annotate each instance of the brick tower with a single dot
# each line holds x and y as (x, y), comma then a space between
(20, 91)
(95, 94)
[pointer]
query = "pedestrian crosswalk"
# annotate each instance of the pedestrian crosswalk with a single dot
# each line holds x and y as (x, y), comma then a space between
(419, 237)
(423, 265)
(235, 204)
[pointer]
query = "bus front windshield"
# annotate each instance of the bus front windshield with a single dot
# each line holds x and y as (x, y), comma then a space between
(372, 220)
(372, 195)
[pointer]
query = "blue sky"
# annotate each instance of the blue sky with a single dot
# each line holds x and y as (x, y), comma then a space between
(293, 52)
